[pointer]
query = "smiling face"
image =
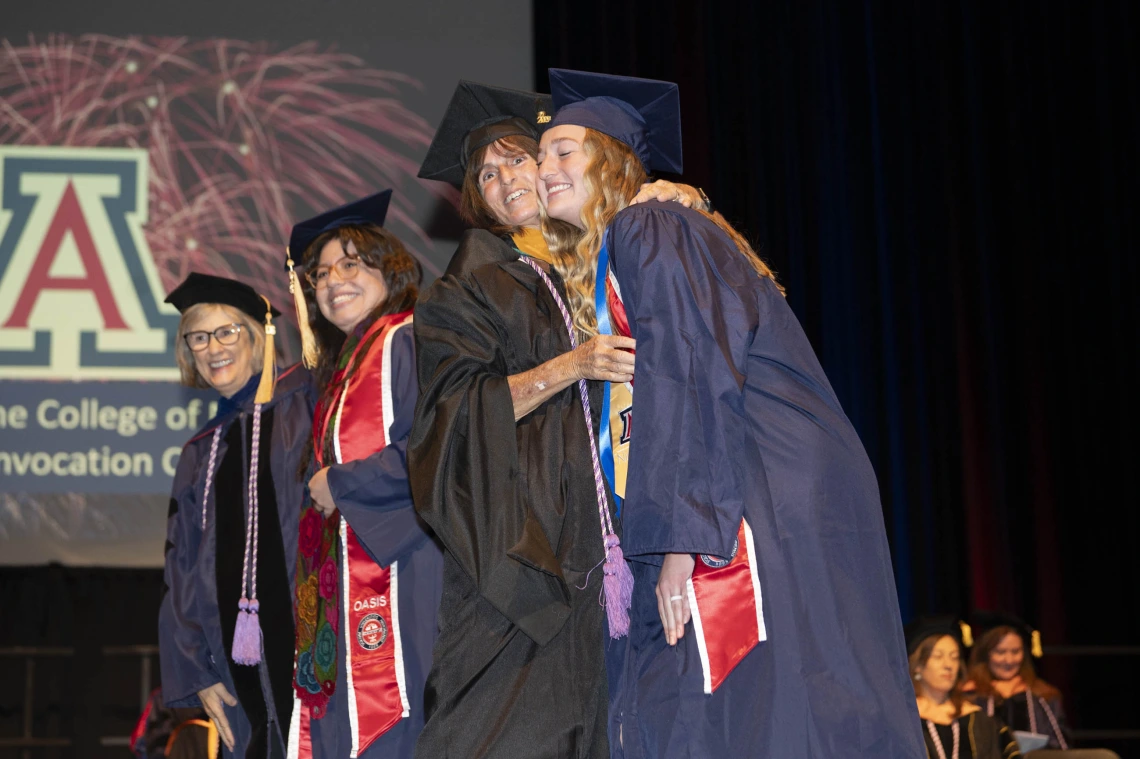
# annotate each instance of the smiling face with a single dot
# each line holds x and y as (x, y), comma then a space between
(1006, 657)
(346, 302)
(226, 368)
(506, 179)
(562, 163)
(942, 668)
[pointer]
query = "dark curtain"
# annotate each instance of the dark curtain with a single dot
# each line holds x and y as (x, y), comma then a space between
(948, 190)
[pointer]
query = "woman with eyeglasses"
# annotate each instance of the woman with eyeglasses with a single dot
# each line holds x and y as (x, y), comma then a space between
(226, 621)
(369, 573)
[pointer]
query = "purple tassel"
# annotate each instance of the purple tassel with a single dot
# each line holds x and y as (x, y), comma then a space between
(618, 584)
(247, 634)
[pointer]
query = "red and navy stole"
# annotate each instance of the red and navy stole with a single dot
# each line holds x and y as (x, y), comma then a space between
(724, 592)
(361, 409)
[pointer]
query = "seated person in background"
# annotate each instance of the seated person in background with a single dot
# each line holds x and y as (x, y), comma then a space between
(1004, 683)
(952, 727)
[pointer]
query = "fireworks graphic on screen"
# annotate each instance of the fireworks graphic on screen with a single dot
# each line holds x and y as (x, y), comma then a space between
(244, 139)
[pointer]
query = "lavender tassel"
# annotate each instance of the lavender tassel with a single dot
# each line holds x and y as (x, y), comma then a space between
(618, 584)
(247, 634)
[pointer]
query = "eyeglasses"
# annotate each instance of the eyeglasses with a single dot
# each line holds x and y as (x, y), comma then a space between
(346, 267)
(198, 341)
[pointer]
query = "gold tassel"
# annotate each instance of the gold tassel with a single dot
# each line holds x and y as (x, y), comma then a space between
(269, 362)
(967, 634)
(1035, 645)
(308, 340)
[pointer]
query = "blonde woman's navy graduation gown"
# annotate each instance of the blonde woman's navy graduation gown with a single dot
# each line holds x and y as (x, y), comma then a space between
(735, 418)
(204, 566)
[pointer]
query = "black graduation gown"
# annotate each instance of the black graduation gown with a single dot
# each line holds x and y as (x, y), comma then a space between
(733, 416)
(518, 669)
(204, 567)
(979, 737)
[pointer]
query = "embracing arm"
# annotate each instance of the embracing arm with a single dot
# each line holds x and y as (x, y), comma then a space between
(605, 357)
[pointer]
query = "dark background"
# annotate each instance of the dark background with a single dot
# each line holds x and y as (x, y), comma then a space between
(948, 191)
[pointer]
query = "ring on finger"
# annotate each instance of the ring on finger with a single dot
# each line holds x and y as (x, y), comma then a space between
(675, 598)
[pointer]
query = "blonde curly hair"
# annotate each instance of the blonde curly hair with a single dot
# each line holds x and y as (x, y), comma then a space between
(612, 178)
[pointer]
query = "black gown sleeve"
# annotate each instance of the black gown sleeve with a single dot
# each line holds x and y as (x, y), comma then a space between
(463, 452)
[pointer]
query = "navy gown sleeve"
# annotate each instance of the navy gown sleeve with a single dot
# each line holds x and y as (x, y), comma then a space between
(680, 285)
(373, 493)
(463, 453)
(184, 653)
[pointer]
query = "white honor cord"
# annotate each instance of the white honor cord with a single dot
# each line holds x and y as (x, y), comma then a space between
(955, 728)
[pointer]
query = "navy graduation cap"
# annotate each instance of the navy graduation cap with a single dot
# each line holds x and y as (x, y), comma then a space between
(645, 114)
(370, 210)
(478, 115)
(206, 288)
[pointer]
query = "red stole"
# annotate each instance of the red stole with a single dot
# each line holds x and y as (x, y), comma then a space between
(724, 593)
(361, 410)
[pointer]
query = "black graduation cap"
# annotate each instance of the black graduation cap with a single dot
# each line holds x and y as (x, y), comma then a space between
(206, 288)
(643, 113)
(370, 210)
(984, 621)
(943, 624)
(478, 115)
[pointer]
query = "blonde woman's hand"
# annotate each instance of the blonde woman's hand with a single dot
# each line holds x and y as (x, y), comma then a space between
(666, 191)
(214, 699)
(605, 357)
(673, 595)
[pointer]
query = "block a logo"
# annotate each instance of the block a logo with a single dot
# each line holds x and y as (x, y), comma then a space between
(80, 296)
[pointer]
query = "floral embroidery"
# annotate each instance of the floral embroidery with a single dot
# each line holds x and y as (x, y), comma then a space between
(325, 652)
(328, 579)
(307, 601)
(310, 539)
(306, 678)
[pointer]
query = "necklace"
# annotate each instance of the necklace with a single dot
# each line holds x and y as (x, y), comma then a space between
(954, 728)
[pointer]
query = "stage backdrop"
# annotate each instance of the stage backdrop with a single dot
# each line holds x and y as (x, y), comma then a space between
(142, 141)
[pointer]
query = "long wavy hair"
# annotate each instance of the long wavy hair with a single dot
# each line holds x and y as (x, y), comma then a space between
(983, 679)
(612, 178)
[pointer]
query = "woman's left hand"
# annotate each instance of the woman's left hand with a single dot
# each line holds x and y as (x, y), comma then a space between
(320, 493)
(673, 596)
(667, 191)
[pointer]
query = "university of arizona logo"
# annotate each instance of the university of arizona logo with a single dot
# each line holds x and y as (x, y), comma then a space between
(80, 296)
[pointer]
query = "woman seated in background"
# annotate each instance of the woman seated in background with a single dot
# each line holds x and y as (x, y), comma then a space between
(952, 727)
(226, 622)
(1004, 683)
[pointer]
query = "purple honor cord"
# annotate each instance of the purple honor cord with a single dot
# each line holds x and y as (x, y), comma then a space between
(618, 581)
(247, 632)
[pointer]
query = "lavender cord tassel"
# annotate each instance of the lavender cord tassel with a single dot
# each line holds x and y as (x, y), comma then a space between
(618, 584)
(618, 581)
(247, 632)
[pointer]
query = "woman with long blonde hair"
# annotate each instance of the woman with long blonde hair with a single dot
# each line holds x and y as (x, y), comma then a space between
(763, 617)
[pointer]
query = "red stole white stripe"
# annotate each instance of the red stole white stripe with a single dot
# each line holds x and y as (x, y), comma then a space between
(376, 690)
(728, 609)
(724, 594)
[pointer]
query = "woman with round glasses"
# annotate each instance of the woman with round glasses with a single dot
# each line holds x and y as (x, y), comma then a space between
(368, 574)
(226, 622)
